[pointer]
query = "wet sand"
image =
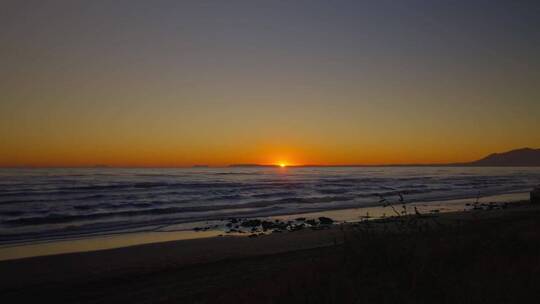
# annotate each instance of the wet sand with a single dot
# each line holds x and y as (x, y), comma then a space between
(157, 256)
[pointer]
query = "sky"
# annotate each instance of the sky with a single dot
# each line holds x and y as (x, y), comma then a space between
(181, 83)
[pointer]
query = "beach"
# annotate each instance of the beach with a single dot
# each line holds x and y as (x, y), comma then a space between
(242, 269)
(274, 236)
(219, 229)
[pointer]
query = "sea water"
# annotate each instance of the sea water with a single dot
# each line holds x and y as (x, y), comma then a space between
(38, 204)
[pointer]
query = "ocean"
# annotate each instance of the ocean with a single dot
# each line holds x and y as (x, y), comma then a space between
(41, 204)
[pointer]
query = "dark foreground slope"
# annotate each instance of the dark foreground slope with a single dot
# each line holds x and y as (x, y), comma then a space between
(482, 257)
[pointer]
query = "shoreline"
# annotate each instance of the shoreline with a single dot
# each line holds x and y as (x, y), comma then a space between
(199, 263)
(129, 239)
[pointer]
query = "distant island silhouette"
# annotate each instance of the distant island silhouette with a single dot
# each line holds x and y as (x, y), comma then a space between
(525, 157)
(258, 166)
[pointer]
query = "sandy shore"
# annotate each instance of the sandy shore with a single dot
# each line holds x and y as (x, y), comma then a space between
(156, 256)
(182, 233)
(202, 258)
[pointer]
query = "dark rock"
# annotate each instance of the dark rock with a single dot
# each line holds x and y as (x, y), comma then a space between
(267, 225)
(312, 222)
(201, 228)
(296, 227)
(251, 223)
(326, 220)
(300, 219)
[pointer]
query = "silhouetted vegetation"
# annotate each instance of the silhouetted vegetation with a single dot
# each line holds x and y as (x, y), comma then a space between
(413, 259)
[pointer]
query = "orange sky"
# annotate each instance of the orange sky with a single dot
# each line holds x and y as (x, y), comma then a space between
(87, 83)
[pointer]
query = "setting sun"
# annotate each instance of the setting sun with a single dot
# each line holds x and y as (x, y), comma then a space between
(282, 165)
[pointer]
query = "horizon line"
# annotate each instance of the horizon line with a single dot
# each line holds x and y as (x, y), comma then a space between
(471, 163)
(265, 166)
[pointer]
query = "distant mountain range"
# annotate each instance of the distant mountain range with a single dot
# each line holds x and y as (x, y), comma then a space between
(525, 157)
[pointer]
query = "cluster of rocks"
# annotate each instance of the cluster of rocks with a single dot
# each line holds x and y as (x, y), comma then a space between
(205, 228)
(487, 206)
(260, 227)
